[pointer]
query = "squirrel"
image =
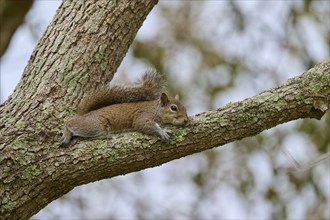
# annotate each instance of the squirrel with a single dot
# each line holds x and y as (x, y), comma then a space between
(139, 107)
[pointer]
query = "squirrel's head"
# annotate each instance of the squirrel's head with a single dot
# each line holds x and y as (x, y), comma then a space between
(173, 111)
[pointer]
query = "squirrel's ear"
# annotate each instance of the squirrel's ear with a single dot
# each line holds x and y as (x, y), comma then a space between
(177, 97)
(163, 99)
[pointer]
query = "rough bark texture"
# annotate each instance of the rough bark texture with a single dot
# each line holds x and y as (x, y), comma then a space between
(81, 50)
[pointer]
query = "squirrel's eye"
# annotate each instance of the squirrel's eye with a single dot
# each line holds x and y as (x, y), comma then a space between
(174, 108)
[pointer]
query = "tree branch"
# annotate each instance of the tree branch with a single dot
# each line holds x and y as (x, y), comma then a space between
(80, 51)
(34, 168)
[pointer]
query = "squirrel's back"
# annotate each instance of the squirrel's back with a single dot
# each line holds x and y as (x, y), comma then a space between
(148, 88)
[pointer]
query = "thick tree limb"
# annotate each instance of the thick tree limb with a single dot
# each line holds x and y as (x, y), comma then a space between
(34, 169)
(80, 51)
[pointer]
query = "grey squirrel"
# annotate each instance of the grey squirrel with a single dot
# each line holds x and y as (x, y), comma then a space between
(139, 107)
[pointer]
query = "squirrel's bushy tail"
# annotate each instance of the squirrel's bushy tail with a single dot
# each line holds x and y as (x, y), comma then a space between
(149, 87)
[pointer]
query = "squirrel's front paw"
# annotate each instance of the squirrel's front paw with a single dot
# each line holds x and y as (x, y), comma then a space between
(162, 132)
(164, 135)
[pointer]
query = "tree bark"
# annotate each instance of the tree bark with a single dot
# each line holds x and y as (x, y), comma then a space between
(80, 51)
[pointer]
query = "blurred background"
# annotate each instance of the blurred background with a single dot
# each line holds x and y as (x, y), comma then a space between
(212, 53)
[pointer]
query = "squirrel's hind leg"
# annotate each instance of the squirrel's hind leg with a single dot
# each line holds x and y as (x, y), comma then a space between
(82, 126)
